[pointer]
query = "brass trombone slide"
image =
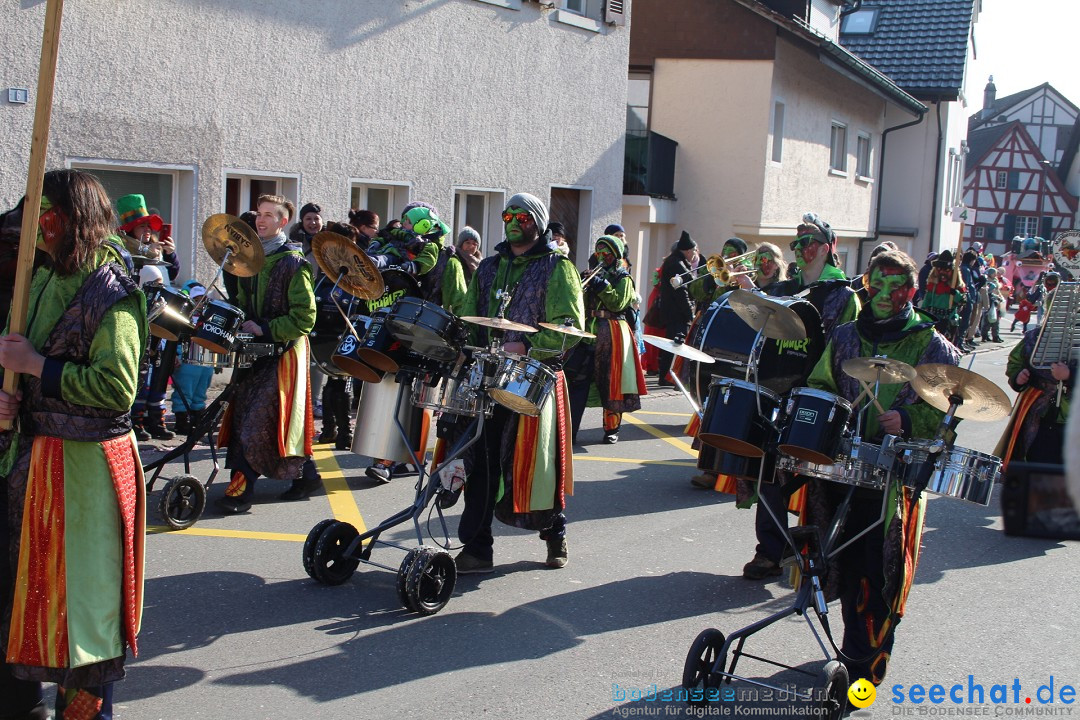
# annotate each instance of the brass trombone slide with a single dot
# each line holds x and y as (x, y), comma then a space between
(718, 268)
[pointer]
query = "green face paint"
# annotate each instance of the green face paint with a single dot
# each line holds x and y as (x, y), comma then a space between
(515, 229)
(890, 291)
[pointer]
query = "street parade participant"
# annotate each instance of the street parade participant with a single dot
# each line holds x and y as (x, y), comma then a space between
(416, 247)
(995, 306)
(72, 509)
(522, 467)
(190, 382)
(676, 307)
(309, 224)
(945, 296)
(1036, 429)
(460, 268)
(770, 265)
(268, 426)
(872, 577)
(829, 291)
(608, 368)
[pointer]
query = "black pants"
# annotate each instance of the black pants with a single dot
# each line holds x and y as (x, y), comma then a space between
(770, 537)
(482, 486)
(335, 402)
(671, 331)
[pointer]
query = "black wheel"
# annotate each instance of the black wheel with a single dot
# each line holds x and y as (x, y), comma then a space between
(309, 545)
(698, 670)
(402, 578)
(183, 500)
(332, 565)
(835, 681)
(430, 581)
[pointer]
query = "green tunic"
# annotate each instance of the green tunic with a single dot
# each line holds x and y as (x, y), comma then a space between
(301, 316)
(616, 297)
(454, 287)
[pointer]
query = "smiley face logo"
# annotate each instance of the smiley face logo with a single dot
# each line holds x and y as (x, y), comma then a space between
(862, 693)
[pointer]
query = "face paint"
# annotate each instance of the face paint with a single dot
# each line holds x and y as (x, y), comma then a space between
(890, 290)
(51, 222)
(604, 255)
(728, 252)
(766, 266)
(807, 255)
(517, 229)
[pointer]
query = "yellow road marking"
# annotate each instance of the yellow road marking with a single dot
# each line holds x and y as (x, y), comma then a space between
(680, 444)
(342, 503)
(633, 461)
(216, 532)
(661, 412)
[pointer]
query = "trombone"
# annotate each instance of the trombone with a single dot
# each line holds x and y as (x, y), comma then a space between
(722, 270)
(591, 274)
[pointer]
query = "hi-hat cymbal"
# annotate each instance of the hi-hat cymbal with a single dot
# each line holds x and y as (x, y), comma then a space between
(498, 323)
(680, 349)
(879, 369)
(762, 312)
(982, 398)
(143, 261)
(223, 233)
(337, 255)
(566, 330)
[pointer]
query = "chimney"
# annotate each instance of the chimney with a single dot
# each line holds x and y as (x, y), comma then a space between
(989, 96)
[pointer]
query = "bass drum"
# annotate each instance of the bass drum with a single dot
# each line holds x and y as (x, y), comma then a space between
(784, 364)
(329, 324)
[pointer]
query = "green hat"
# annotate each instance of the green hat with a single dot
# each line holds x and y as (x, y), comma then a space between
(618, 249)
(131, 209)
(426, 221)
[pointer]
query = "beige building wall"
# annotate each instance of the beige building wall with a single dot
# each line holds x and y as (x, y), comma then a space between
(430, 96)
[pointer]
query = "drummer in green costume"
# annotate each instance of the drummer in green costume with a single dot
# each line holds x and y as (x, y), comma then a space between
(872, 576)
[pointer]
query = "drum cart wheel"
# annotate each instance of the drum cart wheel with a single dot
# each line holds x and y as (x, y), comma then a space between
(426, 585)
(705, 658)
(182, 502)
(309, 546)
(331, 562)
(834, 680)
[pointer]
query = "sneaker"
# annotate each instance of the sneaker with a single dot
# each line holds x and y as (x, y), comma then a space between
(316, 411)
(379, 472)
(301, 489)
(556, 553)
(140, 433)
(471, 565)
(760, 568)
(403, 470)
(610, 438)
(233, 505)
(704, 481)
(326, 436)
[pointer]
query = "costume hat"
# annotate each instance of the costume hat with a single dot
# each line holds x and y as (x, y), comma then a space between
(131, 209)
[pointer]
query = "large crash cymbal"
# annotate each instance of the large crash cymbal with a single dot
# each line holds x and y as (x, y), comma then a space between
(337, 255)
(223, 233)
(879, 369)
(498, 323)
(678, 348)
(981, 398)
(566, 329)
(770, 314)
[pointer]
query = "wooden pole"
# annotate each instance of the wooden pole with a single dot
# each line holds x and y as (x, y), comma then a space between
(39, 145)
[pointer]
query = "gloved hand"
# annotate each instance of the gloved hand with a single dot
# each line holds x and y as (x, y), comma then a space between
(599, 283)
(410, 267)
(381, 261)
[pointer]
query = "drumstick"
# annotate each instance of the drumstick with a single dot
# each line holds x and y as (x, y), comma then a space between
(873, 398)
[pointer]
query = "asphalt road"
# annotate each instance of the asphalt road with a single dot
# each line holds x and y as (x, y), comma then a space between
(234, 628)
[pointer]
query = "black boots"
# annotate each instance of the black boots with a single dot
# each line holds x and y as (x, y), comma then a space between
(182, 426)
(155, 423)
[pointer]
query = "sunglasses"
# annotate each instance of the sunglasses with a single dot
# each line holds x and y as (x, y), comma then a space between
(521, 217)
(802, 241)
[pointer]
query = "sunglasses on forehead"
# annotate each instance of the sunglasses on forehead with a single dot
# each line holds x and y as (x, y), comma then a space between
(521, 217)
(802, 241)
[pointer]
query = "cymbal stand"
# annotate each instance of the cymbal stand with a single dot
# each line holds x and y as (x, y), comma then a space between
(205, 298)
(348, 323)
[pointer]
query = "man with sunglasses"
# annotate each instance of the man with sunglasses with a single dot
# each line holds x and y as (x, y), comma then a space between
(873, 575)
(521, 468)
(826, 288)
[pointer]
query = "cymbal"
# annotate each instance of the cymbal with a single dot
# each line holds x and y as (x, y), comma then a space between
(338, 255)
(143, 261)
(498, 323)
(879, 369)
(223, 232)
(566, 330)
(982, 398)
(680, 349)
(762, 312)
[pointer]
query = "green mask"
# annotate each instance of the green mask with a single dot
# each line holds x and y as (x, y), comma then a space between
(889, 293)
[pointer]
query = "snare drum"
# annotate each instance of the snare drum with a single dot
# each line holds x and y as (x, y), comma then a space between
(813, 425)
(346, 355)
(377, 348)
(219, 322)
(425, 328)
(523, 385)
(329, 325)
(198, 355)
(959, 473)
(731, 422)
(743, 468)
(453, 396)
(168, 312)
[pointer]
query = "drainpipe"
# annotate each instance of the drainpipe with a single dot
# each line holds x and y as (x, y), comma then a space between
(937, 176)
(881, 185)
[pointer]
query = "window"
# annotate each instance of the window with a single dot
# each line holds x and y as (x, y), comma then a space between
(573, 208)
(980, 231)
(863, 168)
(584, 14)
(576, 6)
(1001, 180)
(481, 210)
(778, 132)
(637, 103)
(1027, 226)
(838, 148)
(242, 190)
(384, 199)
(860, 22)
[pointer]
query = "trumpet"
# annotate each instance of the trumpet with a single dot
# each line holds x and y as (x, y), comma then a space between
(591, 274)
(721, 270)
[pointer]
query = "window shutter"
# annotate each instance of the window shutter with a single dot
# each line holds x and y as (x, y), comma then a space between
(1014, 180)
(615, 12)
(1010, 227)
(1047, 229)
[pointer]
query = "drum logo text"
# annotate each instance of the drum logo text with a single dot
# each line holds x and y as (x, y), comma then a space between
(805, 415)
(386, 300)
(796, 345)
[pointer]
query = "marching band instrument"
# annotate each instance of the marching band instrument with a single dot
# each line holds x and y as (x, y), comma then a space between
(978, 398)
(233, 245)
(566, 328)
(721, 270)
(1058, 336)
(879, 369)
(585, 278)
(498, 323)
(769, 315)
(340, 258)
(677, 348)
